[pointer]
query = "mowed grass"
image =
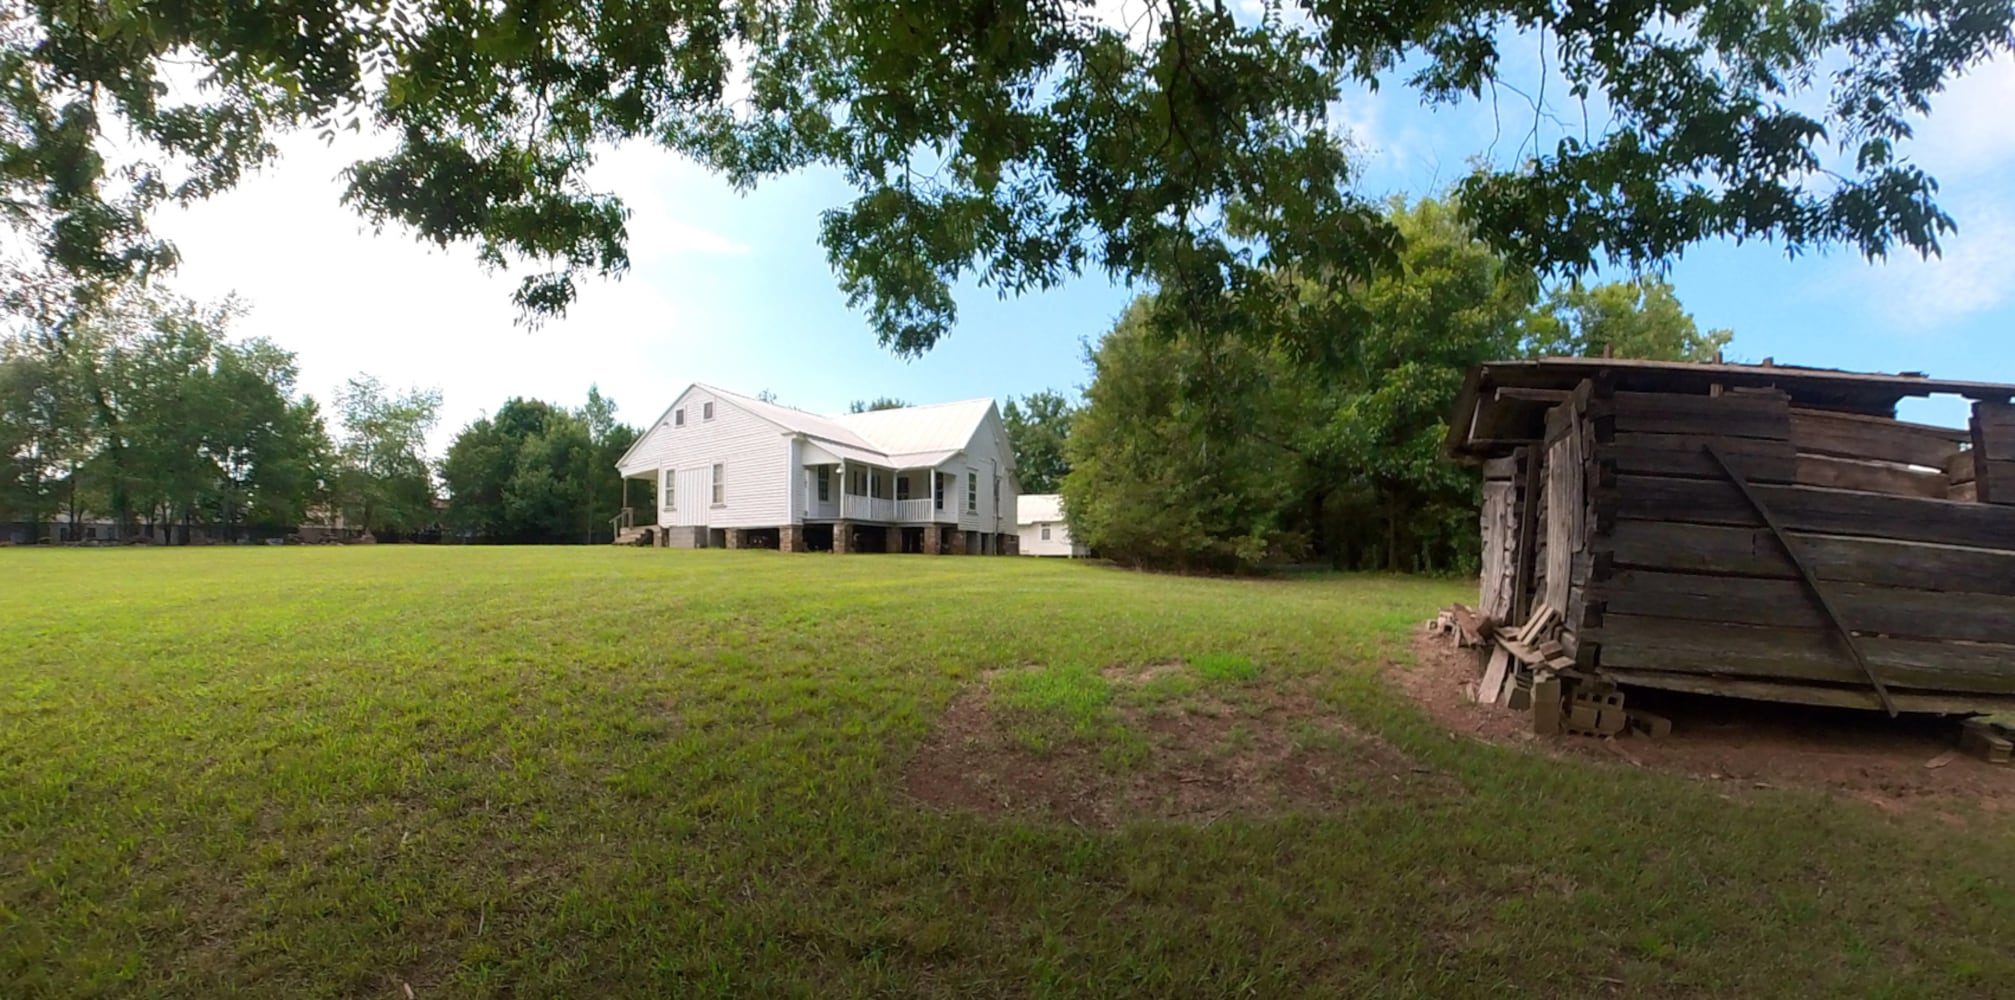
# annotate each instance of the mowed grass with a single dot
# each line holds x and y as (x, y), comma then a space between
(629, 773)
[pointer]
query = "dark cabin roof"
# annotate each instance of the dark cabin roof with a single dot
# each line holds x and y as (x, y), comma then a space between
(1504, 403)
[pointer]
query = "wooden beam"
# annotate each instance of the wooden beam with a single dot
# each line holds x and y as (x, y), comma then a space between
(1870, 477)
(1534, 395)
(1814, 509)
(1944, 703)
(1751, 552)
(1871, 608)
(1528, 536)
(1640, 642)
(1749, 415)
(1812, 584)
(1681, 455)
(1848, 435)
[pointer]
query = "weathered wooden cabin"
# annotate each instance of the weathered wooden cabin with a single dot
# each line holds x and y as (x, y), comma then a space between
(1755, 531)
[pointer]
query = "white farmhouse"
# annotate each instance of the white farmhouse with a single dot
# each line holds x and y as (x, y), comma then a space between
(734, 472)
(1043, 531)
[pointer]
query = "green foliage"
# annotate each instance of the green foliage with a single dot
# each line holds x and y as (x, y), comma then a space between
(1199, 453)
(877, 403)
(383, 483)
(1016, 145)
(534, 472)
(1038, 424)
(1635, 319)
(141, 407)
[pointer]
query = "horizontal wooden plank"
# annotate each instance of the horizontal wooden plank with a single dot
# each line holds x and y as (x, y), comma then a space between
(1963, 491)
(1748, 415)
(1812, 509)
(1500, 468)
(1701, 548)
(1672, 644)
(1761, 459)
(1848, 435)
(1867, 608)
(1870, 477)
(1813, 694)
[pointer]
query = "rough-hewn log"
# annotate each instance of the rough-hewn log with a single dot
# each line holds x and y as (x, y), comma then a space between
(1760, 459)
(1673, 644)
(1813, 509)
(1869, 477)
(1993, 431)
(1813, 694)
(1996, 483)
(1700, 548)
(1867, 608)
(1751, 415)
(1847, 435)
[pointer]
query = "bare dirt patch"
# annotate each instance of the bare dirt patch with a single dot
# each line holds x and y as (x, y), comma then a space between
(1748, 744)
(1205, 759)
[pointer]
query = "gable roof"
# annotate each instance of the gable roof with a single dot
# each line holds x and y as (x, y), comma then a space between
(909, 436)
(1039, 508)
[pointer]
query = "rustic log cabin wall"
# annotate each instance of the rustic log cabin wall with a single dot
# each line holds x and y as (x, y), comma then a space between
(1739, 539)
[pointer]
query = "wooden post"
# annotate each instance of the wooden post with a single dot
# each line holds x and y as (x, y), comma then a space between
(1993, 431)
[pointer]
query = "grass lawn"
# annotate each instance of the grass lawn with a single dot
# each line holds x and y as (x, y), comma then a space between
(595, 773)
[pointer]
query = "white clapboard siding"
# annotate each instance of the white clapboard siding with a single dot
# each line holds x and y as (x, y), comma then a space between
(754, 453)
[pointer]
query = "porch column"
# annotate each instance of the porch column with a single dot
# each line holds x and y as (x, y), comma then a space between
(933, 538)
(841, 529)
(734, 538)
(787, 538)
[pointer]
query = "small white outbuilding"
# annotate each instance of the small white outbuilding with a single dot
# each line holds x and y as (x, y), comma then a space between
(1043, 531)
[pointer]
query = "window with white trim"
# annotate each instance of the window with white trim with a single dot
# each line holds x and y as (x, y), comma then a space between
(938, 489)
(720, 485)
(707, 410)
(671, 489)
(902, 487)
(1045, 532)
(972, 489)
(679, 417)
(825, 478)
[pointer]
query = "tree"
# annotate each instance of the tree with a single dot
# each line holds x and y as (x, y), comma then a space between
(1192, 149)
(383, 483)
(535, 472)
(145, 406)
(1633, 319)
(1038, 425)
(1334, 454)
(877, 403)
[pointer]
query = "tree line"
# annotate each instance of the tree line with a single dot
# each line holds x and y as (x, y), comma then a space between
(1194, 450)
(143, 411)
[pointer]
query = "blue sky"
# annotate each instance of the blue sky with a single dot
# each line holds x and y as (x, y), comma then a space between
(734, 289)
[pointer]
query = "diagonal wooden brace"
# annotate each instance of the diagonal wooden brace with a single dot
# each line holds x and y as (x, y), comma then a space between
(1804, 573)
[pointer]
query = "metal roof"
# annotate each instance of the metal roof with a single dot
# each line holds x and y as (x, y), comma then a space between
(909, 437)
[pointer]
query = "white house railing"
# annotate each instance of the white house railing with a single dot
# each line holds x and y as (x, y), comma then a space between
(855, 508)
(913, 510)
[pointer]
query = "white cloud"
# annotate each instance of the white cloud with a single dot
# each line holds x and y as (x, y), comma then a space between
(345, 300)
(1975, 274)
(1971, 129)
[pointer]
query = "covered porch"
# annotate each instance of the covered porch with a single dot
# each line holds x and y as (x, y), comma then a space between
(856, 491)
